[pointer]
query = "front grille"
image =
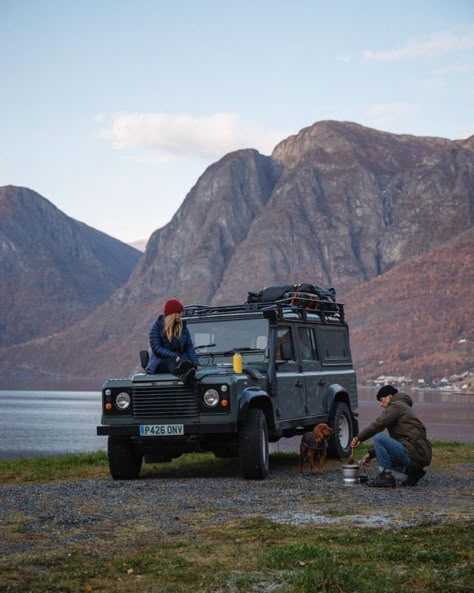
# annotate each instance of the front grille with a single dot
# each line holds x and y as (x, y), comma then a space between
(164, 401)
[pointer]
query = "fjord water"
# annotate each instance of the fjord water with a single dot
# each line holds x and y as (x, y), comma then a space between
(45, 423)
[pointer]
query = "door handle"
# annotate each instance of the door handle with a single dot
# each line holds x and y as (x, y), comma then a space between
(299, 383)
(321, 382)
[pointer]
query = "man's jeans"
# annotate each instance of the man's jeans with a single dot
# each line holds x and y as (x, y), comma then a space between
(391, 454)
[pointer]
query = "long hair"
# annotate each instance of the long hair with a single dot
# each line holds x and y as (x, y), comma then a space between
(173, 326)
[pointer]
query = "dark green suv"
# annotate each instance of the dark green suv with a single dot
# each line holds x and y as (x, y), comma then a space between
(269, 370)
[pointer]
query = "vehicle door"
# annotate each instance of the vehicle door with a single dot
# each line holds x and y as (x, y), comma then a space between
(290, 384)
(312, 370)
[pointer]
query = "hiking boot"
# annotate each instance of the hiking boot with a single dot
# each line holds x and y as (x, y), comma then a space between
(383, 480)
(414, 475)
(188, 376)
(183, 367)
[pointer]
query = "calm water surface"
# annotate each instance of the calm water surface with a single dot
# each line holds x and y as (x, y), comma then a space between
(44, 423)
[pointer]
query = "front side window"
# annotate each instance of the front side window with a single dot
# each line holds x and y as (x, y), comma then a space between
(306, 343)
(284, 346)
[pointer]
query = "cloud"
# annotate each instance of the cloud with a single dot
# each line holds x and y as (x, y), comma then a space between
(173, 135)
(395, 117)
(457, 39)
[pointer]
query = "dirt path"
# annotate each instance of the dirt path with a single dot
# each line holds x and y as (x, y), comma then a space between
(56, 514)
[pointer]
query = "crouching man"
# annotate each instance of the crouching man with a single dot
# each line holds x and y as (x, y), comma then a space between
(406, 450)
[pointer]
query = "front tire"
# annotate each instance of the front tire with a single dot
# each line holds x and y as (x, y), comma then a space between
(253, 446)
(341, 421)
(125, 461)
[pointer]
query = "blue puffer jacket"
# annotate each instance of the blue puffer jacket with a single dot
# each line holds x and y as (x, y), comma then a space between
(162, 348)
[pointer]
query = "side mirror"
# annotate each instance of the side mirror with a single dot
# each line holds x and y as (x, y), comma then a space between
(144, 358)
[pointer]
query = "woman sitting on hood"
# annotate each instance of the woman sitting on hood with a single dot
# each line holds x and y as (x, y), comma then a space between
(171, 344)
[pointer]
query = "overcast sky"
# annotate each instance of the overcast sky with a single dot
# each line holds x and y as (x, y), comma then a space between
(112, 109)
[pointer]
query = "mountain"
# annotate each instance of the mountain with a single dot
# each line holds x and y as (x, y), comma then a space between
(337, 204)
(352, 202)
(54, 270)
(417, 318)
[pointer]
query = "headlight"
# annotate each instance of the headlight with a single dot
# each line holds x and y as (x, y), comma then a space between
(122, 401)
(211, 398)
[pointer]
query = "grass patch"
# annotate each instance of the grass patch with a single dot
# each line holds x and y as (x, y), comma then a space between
(94, 465)
(449, 454)
(406, 561)
(257, 555)
(48, 469)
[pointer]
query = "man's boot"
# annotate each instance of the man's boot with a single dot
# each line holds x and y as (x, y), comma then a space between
(414, 473)
(383, 480)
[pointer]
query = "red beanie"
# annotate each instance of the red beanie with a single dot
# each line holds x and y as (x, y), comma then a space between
(173, 306)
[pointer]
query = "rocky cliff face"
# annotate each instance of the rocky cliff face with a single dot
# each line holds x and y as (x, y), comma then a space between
(337, 205)
(189, 256)
(350, 203)
(53, 270)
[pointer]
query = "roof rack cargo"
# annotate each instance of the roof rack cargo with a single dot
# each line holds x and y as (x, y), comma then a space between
(299, 303)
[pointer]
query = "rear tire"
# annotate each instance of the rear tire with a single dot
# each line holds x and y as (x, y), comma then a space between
(125, 461)
(341, 421)
(253, 446)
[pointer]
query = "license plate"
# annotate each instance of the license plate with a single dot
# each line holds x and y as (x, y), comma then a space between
(161, 430)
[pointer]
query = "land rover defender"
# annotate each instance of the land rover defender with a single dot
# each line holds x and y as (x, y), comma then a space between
(268, 370)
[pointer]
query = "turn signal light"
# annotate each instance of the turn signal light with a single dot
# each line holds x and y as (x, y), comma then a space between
(224, 403)
(108, 406)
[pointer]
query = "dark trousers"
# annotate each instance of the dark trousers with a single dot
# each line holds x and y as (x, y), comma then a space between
(169, 365)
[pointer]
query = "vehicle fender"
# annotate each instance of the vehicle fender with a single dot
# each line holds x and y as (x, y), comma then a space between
(335, 392)
(255, 397)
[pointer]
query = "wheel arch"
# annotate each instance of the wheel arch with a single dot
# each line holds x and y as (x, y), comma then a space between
(256, 398)
(335, 393)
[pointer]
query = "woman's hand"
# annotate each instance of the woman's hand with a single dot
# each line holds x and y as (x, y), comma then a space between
(355, 442)
(366, 459)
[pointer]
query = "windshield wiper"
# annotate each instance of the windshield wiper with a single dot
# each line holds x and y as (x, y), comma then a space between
(244, 349)
(203, 346)
(247, 349)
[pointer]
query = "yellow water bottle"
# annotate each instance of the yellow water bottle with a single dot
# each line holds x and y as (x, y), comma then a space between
(237, 363)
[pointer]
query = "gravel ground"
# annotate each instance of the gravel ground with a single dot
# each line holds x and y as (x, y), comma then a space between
(54, 515)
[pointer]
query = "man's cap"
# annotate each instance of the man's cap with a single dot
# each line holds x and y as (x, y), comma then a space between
(386, 390)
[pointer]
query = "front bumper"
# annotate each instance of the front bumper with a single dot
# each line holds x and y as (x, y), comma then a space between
(134, 429)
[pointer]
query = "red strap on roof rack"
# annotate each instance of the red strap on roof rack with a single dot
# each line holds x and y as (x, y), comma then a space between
(305, 300)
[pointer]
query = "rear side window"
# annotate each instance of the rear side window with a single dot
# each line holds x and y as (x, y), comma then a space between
(334, 344)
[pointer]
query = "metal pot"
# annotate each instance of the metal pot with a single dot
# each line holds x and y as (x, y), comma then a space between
(350, 474)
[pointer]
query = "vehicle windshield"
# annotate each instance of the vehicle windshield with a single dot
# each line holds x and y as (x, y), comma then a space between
(221, 338)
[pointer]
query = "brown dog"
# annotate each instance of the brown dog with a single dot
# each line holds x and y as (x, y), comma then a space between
(315, 443)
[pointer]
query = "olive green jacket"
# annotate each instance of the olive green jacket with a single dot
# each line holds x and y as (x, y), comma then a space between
(403, 425)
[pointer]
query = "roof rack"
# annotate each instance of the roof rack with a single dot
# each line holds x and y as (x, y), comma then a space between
(299, 303)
